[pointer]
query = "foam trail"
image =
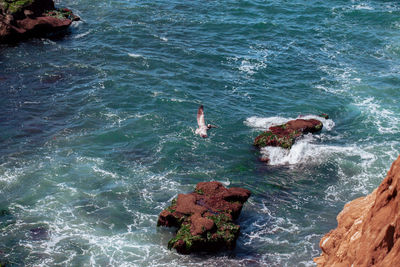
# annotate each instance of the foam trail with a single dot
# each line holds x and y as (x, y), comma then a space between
(264, 123)
(82, 34)
(303, 151)
(134, 55)
(387, 122)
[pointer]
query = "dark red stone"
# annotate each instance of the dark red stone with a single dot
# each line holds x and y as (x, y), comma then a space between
(205, 217)
(285, 135)
(33, 19)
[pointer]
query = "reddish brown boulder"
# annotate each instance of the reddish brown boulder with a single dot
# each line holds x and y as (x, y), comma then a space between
(21, 19)
(205, 217)
(368, 231)
(285, 135)
(200, 225)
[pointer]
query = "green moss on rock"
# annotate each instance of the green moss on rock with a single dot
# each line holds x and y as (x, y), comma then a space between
(285, 135)
(63, 13)
(15, 6)
(205, 218)
(225, 234)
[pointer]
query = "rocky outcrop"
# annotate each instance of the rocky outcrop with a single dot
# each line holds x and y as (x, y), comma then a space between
(20, 19)
(285, 135)
(368, 231)
(205, 218)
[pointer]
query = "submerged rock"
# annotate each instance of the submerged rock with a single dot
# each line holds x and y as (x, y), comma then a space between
(39, 233)
(324, 115)
(6, 218)
(368, 231)
(205, 218)
(285, 135)
(21, 19)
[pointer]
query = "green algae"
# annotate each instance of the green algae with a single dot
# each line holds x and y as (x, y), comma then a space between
(199, 191)
(220, 233)
(269, 138)
(13, 7)
(63, 13)
(182, 234)
(283, 135)
(324, 115)
(172, 208)
(226, 233)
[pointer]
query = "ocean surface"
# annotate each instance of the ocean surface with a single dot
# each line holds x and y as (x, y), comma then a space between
(97, 128)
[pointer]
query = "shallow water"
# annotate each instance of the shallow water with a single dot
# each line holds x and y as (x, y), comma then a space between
(97, 128)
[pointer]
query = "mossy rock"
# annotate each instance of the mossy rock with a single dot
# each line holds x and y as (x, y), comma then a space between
(63, 13)
(15, 6)
(205, 218)
(268, 138)
(224, 235)
(286, 134)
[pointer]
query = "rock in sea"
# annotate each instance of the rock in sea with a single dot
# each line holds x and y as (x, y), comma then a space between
(21, 19)
(285, 135)
(368, 231)
(205, 218)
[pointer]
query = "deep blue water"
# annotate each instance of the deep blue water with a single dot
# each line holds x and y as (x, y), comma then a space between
(97, 128)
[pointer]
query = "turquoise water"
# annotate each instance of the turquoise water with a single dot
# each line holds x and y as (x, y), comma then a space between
(97, 128)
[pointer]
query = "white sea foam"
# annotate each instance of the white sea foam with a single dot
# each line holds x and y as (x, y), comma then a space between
(9, 176)
(385, 120)
(77, 230)
(363, 7)
(80, 35)
(304, 151)
(253, 63)
(178, 100)
(225, 182)
(134, 55)
(104, 172)
(76, 24)
(265, 229)
(48, 41)
(156, 93)
(81, 159)
(162, 38)
(264, 123)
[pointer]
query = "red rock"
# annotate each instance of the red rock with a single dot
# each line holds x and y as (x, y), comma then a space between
(368, 231)
(264, 159)
(285, 135)
(210, 188)
(186, 204)
(304, 126)
(200, 225)
(205, 217)
(25, 19)
(43, 24)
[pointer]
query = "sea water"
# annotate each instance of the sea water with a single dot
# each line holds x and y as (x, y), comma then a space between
(97, 128)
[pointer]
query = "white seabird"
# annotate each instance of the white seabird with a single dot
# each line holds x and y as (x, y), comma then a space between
(202, 130)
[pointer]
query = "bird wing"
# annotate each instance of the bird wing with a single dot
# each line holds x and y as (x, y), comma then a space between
(200, 117)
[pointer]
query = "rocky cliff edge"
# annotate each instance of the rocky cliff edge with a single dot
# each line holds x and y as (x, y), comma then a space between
(368, 231)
